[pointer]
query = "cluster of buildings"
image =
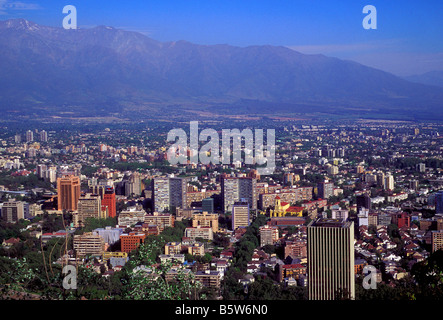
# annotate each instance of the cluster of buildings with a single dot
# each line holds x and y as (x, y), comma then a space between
(331, 204)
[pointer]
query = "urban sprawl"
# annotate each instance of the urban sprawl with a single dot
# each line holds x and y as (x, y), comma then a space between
(343, 197)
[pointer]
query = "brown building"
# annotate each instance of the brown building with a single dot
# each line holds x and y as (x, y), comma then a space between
(131, 241)
(296, 249)
(68, 192)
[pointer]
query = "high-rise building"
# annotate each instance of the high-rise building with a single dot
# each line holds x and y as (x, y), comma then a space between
(240, 215)
(68, 192)
(133, 186)
(18, 138)
(167, 192)
(330, 250)
(363, 201)
(43, 136)
(239, 188)
(89, 206)
(325, 189)
(109, 202)
(177, 192)
(160, 194)
(29, 136)
(13, 211)
(389, 182)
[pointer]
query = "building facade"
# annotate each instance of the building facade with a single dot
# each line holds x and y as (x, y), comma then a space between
(330, 249)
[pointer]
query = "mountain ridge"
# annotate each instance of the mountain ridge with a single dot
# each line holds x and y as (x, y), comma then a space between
(48, 69)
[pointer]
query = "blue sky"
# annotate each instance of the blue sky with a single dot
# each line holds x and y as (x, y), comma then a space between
(408, 39)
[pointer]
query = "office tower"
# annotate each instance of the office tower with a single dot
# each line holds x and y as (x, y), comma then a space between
(330, 259)
(363, 217)
(68, 192)
(389, 182)
(108, 201)
(340, 152)
(240, 215)
(29, 136)
(236, 189)
(363, 201)
(13, 211)
(208, 205)
(43, 136)
(89, 206)
(133, 186)
(325, 189)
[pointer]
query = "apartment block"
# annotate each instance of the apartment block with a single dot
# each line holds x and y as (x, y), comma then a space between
(199, 232)
(239, 189)
(268, 235)
(89, 244)
(162, 220)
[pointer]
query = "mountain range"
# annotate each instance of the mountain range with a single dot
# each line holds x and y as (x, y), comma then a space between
(106, 71)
